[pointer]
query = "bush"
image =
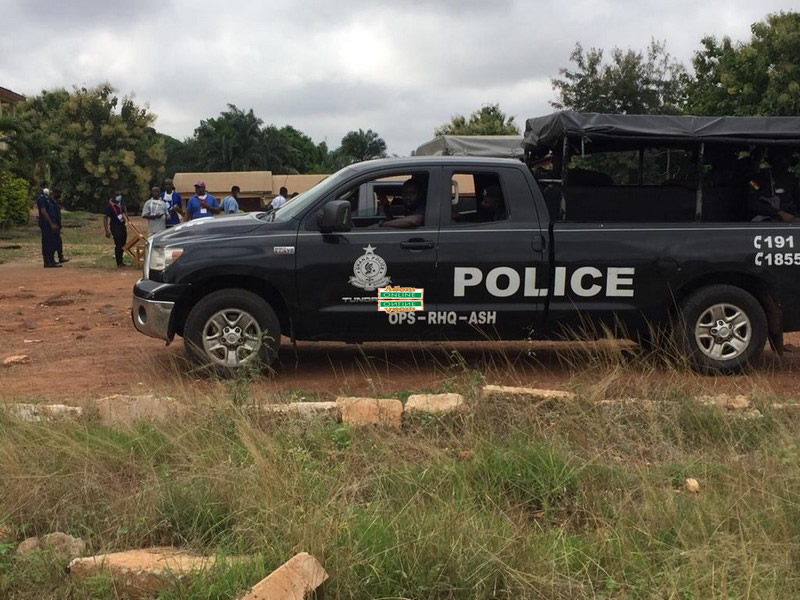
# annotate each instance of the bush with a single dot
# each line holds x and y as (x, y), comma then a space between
(13, 201)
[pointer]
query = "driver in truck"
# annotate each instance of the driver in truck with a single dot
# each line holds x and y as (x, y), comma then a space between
(414, 197)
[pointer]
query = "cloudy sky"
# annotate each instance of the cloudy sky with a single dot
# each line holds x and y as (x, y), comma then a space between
(399, 67)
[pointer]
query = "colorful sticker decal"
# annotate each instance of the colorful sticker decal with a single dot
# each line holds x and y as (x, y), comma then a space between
(369, 271)
(400, 299)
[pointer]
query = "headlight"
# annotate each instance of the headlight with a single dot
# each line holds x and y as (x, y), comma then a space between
(161, 258)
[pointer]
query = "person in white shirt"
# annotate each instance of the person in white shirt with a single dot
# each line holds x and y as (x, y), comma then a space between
(280, 199)
(155, 211)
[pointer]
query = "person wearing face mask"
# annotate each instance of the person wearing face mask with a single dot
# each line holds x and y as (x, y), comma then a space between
(49, 226)
(202, 204)
(115, 219)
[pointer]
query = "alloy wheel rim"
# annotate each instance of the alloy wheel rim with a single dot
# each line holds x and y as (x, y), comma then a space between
(723, 331)
(231, 337)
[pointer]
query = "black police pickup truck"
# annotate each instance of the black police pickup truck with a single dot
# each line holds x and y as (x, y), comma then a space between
(612, 223)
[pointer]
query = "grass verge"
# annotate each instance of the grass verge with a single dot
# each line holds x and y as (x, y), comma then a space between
(559, 500)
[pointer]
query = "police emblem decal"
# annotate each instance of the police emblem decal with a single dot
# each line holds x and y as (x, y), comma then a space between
(369, 271)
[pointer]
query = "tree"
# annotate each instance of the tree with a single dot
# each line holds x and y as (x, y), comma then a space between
(88, 141)
(488, 120)
(636, 83)
(234, 141)
(362, 145)
(759, 77)
(13, 200)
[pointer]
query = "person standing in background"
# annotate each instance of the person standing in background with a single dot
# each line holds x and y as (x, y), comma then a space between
(202, 204)
(155, 211)
(230, 204)
(280, 199)
(174, 205)
(48, 227)
(56, 200)
(115, 218)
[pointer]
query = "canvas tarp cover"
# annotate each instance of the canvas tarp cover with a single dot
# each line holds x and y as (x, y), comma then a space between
(495, 146)
(548, 132)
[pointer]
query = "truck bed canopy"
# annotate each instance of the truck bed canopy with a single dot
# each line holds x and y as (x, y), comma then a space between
(495, 146)
(549, 131)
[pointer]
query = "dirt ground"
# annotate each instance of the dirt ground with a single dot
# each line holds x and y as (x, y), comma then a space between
(75, 325)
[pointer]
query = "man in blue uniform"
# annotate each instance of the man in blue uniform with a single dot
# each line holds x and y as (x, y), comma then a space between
(174, 206)
(48, 227)
(56, 199)
(202, 204)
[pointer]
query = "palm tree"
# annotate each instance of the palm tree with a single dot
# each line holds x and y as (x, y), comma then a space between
(363, 145)
(234, 141)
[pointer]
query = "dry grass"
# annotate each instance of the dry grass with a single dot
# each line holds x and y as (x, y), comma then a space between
(511, 500)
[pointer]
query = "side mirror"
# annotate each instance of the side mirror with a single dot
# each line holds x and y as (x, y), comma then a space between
(455, 192)
(335, 216)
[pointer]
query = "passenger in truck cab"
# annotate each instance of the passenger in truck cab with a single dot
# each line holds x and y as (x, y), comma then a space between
(774, 193)
(490, 207)
(414, 194)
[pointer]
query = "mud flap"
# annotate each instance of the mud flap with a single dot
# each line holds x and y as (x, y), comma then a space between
(774, 324)
(776, 342)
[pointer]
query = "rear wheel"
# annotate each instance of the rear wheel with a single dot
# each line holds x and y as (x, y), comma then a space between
(232, 328)
(723, 328)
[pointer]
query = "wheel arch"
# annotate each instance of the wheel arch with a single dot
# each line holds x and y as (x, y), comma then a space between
(260, 287)
(756, 286)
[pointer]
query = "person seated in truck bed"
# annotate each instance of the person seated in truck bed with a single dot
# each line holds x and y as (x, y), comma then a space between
(722, 163)
(414, 198)
(774, 193)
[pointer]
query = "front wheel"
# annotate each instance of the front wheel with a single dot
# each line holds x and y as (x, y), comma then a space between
(722, 328)
(232, 328)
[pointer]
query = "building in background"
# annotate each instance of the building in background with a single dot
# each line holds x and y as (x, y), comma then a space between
(255, 186)
(258, 188)
(8, 101)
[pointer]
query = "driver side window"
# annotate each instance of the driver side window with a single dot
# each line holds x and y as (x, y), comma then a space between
(381, 198)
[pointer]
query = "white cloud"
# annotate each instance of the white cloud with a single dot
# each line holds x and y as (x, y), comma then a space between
(328, 66)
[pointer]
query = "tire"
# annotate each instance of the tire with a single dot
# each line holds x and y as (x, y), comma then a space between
(251, 339)
(721, 329)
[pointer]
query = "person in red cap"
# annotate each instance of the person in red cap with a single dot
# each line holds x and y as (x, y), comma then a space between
(202, 204)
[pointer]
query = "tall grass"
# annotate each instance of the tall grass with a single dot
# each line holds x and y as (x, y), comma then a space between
(509, 500)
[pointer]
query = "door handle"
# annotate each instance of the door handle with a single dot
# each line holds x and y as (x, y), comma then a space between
(416, 244)
(538, 243)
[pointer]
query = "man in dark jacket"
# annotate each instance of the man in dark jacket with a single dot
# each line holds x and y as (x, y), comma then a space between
(56, 199)
(115, 217)
(48, 226)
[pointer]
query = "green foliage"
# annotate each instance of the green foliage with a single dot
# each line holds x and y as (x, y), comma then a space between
(488, 120)
(525, 475)
(648, 82)
(239, 141)
(13, 201)
(87, 141)
(758, 77)
(362, 145)
(234, 141)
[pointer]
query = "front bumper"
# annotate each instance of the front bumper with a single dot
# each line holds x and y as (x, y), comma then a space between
(152, 317)
(153, 306)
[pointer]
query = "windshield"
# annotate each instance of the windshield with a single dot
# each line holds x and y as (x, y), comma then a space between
(302, 202)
